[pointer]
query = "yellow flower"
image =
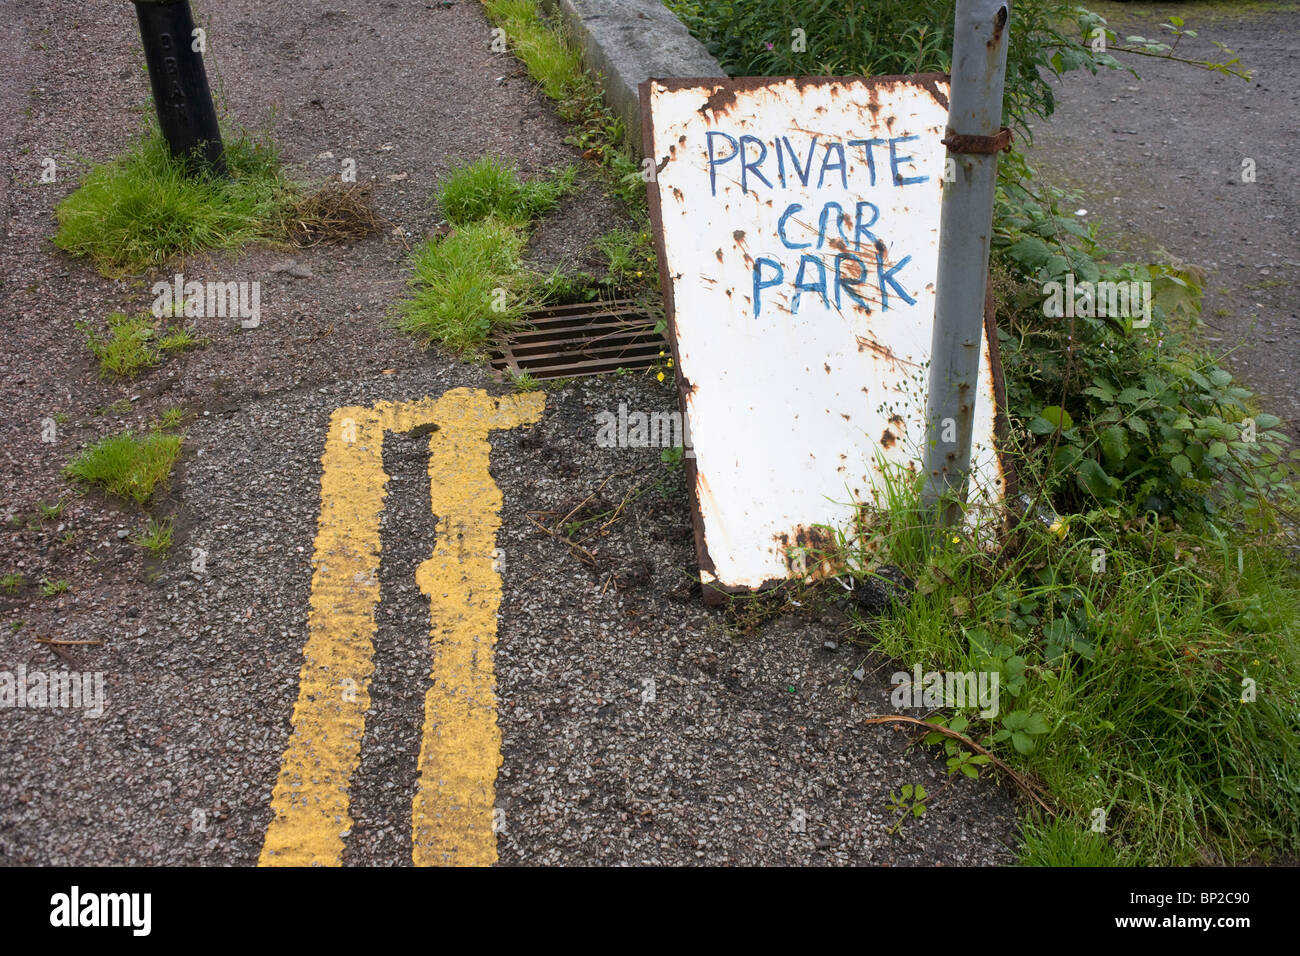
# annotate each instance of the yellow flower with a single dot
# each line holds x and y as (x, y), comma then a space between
(670, 363)
(661, 376)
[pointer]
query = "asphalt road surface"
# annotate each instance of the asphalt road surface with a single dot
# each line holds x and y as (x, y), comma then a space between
(1191, 165)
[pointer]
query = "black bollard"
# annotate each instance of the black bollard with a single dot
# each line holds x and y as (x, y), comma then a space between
(180, 84)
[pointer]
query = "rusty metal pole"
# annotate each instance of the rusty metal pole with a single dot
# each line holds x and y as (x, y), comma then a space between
(975, 135)
(180, 85)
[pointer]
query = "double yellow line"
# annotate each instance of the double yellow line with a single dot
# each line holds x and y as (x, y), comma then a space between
(460, 750)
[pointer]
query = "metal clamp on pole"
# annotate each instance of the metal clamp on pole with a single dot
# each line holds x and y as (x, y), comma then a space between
(975, 135)
(984, 145)
(180, 85)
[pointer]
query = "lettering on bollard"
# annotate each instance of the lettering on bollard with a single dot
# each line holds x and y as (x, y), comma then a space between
(182, 99)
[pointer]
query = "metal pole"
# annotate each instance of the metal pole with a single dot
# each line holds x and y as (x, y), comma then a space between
(180, 85)
(979, 62)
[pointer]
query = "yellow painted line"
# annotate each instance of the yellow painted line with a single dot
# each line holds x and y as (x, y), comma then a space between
(451, 815)
(310, 801)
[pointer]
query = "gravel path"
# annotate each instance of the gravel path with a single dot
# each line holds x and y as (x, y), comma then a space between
(1159, 162)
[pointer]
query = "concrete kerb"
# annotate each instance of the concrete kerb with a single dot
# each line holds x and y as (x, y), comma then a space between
(629, 41)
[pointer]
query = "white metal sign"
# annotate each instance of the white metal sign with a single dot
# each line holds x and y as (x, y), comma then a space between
(798, 230)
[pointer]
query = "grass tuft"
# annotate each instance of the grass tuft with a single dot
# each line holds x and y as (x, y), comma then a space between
(127, 349)
(471, 281)
(127, 465)
(1062, 843)
(133, 343)
(489, 187)
(139, 211)
(465, 285)
(336, 212)
(554, 64)
(523, 381)
(156, 538)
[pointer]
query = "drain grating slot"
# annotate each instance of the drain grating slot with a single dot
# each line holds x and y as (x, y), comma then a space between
(585, 338)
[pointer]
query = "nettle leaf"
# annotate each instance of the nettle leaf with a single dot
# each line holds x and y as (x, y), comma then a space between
(1220, 378)
(1102, 390)
(1057, 266)
(979, 640)
(1114, 445)
(1036, 724)
(1264, 420)
(1217, 450)
(1085, 268)
(1030, 252)
(1057, 416)
(1054, 630)
(1067, 457)
(1093, 479)
(1131, 395)
(1073, 227)
(1154, 384)
(1181, 465)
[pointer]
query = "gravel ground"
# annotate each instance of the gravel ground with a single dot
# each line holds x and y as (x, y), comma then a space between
(1157, 161)
(745, 732)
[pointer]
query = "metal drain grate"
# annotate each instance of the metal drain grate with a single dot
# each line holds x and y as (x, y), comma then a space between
(586, 338)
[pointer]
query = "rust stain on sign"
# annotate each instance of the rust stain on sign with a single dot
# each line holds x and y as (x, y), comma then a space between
(798, 224)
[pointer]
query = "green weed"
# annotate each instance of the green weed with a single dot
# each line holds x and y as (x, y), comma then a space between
(139, 211)
(156, 538)
(126, 464)
(489, 187)
(465, 285)
(1063, 843)
(52, 588)
(1145, 672)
